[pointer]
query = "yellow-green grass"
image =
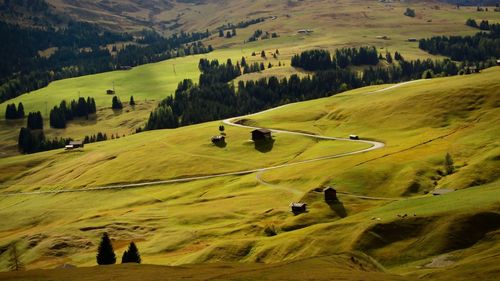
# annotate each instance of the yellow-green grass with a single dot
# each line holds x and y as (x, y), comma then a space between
(159, 155)
(348, 24)
(224, 219)
(321, 268)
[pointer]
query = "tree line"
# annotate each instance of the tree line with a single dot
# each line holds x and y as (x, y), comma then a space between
(32, 141)
(316, 60)
(80, 50)
(60, 115)
(197, 103)
(482, 46)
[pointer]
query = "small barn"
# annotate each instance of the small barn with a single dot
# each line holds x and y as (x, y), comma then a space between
(74, 144)
(474, 69)
(110, 92)
(498, 62)
(218, 139)
(354, 137)
(330, 194)
(261, 134)
(298, 207)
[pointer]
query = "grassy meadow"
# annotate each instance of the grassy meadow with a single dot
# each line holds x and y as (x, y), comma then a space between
(240, 227)
(351, 23)
(228, 219)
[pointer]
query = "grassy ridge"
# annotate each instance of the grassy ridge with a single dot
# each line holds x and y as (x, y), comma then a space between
(224, 219)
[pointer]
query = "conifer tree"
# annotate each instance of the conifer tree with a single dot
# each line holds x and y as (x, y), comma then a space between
(388, 57)
(132, 102)
(131, 255)
(116, 103)
(105, 253)
(20, 111)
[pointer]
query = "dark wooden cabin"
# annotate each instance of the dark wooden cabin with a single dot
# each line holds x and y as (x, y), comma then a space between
(298, 207)
(261, 134)
(330, 194)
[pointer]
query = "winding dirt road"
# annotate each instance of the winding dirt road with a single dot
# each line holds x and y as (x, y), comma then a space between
(231, 122)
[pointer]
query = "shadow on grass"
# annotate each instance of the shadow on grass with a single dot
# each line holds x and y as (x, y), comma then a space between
(338, 208)
(220, 144)
(264, 146)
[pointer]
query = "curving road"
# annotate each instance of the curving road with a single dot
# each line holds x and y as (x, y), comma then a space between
(231, 122)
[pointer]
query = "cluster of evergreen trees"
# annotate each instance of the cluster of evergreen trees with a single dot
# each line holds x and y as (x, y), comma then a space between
(95, 138)
(315, 60)
(255, 36)
(483, 25)
(479, 47)
(259, 34)
(229, 34)
(106, 255)
(30, 141)
(231, 28)
(35, 121)
(212, 72)
(80, 51)
(12, 113)
(217, 99)
(63, 113)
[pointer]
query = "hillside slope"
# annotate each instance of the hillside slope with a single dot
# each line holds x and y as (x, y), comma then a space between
(245, 218)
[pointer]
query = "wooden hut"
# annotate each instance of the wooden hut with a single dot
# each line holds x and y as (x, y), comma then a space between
(298, 207)
(261, 134)
(218, 139)
(330, 194)
(74, 144)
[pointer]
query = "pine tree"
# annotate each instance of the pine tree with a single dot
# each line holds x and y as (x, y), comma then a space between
(20, 111)
(263, 54)
(105, 253)
(132, 102)
(131, 255)
(221, 33)
(233, 33)
(116, 103)
(10, 111)
(388, 57)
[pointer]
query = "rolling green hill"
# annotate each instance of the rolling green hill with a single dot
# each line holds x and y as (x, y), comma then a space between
(386, 225)
(226, 219)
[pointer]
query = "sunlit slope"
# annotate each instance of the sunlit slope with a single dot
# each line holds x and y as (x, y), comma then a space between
(420, 123)
(246, 218)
